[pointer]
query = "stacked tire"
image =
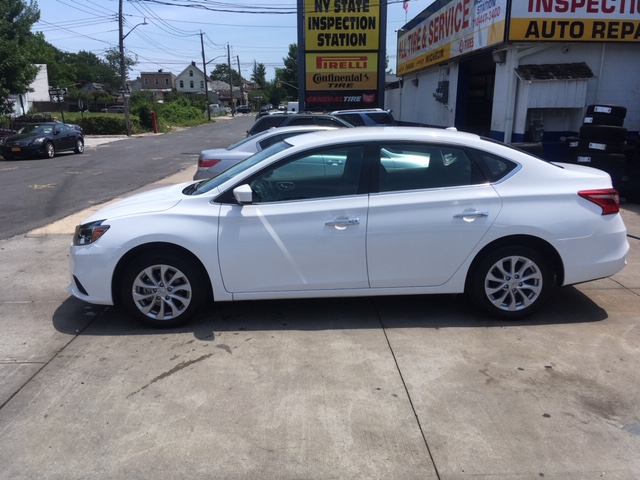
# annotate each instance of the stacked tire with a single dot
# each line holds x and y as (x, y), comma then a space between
(602, 142)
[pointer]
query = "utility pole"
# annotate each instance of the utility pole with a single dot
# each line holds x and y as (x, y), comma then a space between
(123, 71)
(230, 79)
(204, 71)
(241, 87)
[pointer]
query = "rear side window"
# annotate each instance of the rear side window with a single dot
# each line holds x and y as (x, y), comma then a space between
(414, 167)
(353, 118)
(265, 123)
(381, 118)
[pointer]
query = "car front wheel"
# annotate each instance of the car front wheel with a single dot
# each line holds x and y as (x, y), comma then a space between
(511, 283)
(163, 289)
(79, 146)
(49, 150)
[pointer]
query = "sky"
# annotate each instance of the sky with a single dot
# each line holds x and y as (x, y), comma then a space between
(255, 30)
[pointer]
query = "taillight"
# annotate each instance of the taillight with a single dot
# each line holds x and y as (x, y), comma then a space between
(607, 198)
(207, 162)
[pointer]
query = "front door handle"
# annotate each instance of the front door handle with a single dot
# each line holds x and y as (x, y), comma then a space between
(343, 222)
(471, 214)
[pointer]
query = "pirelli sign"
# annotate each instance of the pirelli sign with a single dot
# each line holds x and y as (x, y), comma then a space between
(342, 41)
(575, 21)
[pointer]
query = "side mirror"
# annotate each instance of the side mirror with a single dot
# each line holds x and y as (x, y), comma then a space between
(243, 194)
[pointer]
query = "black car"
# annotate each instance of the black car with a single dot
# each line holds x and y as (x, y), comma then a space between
(243, 109)
(286, 120)
(42, 140)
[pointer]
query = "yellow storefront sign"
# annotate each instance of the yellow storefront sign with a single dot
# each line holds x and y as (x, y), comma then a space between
(577, 30)
(332, 25)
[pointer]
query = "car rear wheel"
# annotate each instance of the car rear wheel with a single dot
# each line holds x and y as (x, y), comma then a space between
(511, 283)
(79, 146)
(162, 289)
(49, 150)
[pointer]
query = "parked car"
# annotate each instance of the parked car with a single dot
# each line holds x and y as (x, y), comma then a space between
(215, 161)
(284, 120)
(319, 215)
(114, 109)
(243, 109)
(42, 139)
(366, 117)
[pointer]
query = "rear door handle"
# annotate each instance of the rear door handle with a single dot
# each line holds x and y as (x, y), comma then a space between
(343, 222)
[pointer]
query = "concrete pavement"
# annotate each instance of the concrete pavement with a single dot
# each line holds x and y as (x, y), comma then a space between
(393, 388)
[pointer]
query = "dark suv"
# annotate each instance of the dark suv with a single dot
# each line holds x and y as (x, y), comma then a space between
(286, 120)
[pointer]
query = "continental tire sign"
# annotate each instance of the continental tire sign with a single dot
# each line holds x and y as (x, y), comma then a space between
(575, 20)
(342, 44)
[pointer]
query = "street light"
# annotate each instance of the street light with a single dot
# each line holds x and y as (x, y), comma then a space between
(204, 72)
(123, 71)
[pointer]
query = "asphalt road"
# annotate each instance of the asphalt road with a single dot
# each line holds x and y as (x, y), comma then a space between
(38, 191)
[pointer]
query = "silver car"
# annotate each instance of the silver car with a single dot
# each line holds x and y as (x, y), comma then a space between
(213, 162)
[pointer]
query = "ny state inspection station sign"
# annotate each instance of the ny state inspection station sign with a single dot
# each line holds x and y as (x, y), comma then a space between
(342, 42)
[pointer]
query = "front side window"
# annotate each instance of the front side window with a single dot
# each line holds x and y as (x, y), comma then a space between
(319, 173)
(418, 166)
(181, 84)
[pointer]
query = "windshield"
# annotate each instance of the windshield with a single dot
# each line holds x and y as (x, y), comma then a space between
(35, 129)
(208, 185)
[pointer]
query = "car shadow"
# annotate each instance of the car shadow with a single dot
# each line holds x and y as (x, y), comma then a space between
(568, 306)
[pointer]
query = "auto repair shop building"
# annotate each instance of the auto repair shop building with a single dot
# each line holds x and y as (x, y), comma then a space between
(518, 71)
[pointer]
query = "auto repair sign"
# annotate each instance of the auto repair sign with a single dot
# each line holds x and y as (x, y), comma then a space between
(575, 20)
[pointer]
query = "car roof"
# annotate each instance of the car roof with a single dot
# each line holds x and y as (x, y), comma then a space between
(360, 110)
(356, 134)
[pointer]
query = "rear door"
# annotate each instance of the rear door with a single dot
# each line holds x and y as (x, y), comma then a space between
(432, 209)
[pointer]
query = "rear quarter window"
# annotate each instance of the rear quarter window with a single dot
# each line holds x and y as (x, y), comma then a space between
(493, 166)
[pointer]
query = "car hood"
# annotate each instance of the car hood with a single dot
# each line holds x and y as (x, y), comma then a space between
(23, 136)
(157, 200)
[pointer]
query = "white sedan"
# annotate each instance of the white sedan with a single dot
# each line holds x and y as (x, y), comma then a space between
(334, 214)
(214, 161)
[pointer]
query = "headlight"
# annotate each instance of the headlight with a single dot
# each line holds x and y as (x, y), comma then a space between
(37, 141)
(89, 233)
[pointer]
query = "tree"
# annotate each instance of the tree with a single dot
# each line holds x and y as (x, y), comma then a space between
(91, 68)
(289, 74)
(17, 69)
(112, 57)
(221, 73)
(60, 67)
(259, 74)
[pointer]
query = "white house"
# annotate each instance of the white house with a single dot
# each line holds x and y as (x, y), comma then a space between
(38, 92)
(191, 81)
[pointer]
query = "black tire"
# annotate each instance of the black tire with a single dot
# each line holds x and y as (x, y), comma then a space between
(511, 282)
(49, 150)
(610, 110)
(163, 289)
(79, 146)
(603, 132)
(600, 119)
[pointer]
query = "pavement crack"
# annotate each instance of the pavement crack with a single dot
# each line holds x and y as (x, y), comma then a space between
(406, 389)
(176, 369)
